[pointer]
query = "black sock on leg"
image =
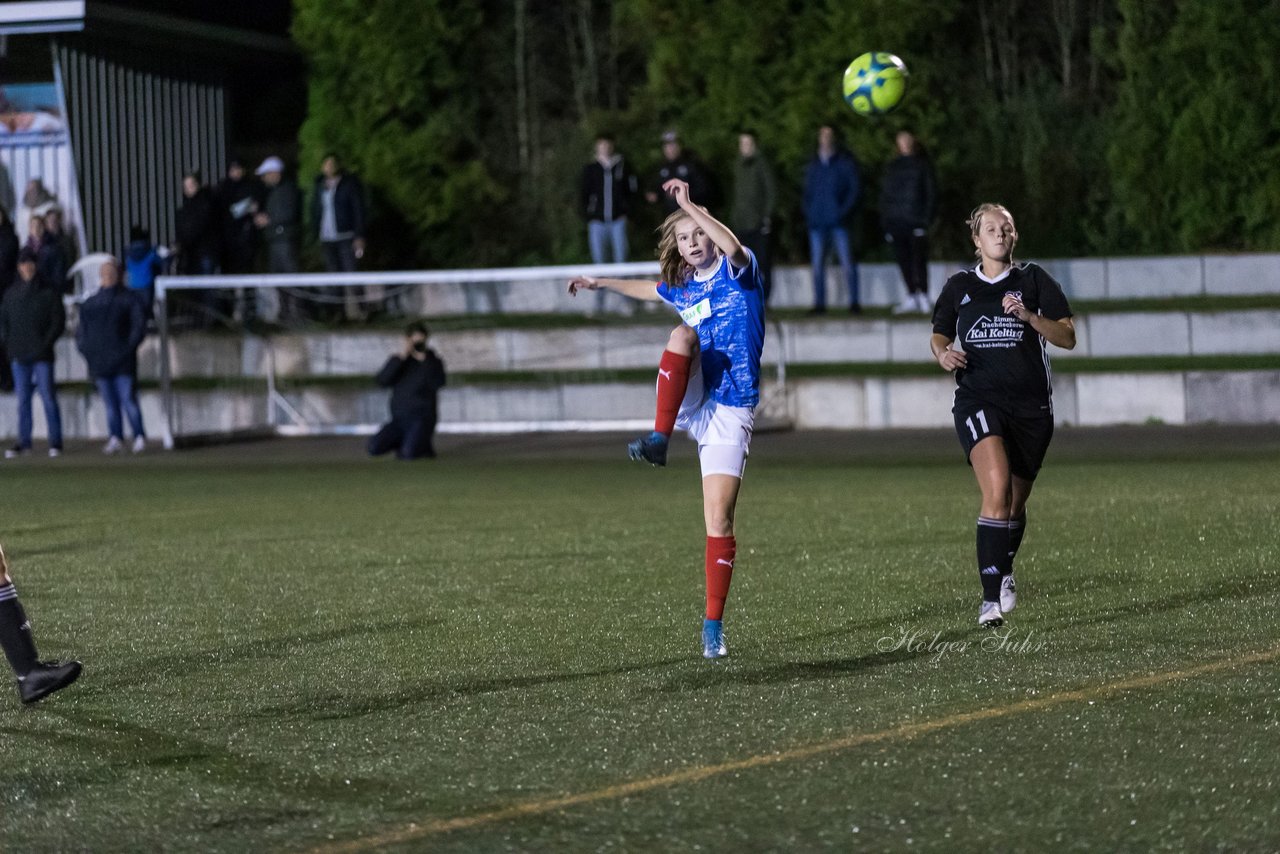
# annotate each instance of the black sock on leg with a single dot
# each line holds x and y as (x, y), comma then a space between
(993, 555)
(15, 632)
(1017, 527)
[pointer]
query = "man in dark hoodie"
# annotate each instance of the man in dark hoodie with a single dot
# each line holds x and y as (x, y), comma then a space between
(112, 325)
(31, 321)
(414, 375)
(199, 240)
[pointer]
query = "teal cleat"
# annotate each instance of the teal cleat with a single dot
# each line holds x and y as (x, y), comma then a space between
(713, 639)
(650, 449)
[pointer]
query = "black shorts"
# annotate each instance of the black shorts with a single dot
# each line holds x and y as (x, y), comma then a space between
(1026, 437)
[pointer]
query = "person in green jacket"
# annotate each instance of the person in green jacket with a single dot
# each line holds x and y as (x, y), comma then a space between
(754, 199)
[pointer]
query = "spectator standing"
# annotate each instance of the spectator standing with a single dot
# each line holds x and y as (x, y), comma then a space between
(608, 187)
(755, 196)
(678, 163)
(142, 263)
(415, 375)
(199, 239)
(832, 191)
(279, 219)
(237, 198)
(49, 260)
(31, 321)
(339, 215)
(112, 326)
(36, 201)
(9, 248)
(908, 203)
(56, 251)
(198, 224)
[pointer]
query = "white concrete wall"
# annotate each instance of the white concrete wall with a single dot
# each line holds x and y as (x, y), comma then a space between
(831, 340)
(1223, 397)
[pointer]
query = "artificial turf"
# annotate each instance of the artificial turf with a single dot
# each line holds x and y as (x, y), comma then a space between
(289, 647)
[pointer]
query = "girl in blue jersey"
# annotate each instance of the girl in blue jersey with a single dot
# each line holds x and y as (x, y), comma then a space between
(709, 375)
(1003, 314)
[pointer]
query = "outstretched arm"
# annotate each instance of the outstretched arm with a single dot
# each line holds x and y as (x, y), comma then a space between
(719, 233)
(634, 288)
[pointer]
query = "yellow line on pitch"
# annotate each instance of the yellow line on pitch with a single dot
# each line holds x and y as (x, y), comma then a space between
(693, 775)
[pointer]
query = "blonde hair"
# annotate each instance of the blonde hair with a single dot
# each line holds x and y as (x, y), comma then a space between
(675, 271)
(975, 222)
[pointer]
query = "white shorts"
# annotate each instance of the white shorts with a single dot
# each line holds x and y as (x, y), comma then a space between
(723, 433)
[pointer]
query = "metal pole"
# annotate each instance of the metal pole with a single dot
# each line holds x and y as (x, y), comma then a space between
(166, 383)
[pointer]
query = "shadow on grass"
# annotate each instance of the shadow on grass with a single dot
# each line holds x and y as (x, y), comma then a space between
(1221, 591)
(166, 666)
(800, 671)
(344, 706)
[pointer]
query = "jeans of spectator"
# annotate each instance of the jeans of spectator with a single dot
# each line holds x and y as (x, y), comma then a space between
(821, 241)
(118, 395)
(604, 236)
(911, 250)
(36, 376)
(410, 438)
(601, 238)
(759, 244)
(340, 257)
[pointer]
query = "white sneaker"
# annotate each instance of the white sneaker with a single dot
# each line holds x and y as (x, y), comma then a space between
(139, 444)
(923, 304)
(989, 615)
(1008, 594)
(113, 446)
(907, 306)
(54, 453)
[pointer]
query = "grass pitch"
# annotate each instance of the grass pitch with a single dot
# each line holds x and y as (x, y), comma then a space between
(288, 647)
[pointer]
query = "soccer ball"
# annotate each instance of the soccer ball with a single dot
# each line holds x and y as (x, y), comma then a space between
(874, 83)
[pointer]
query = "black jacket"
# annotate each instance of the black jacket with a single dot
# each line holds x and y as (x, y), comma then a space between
(689, 169)
(199, 227)
(8, 256)
(615, 185)
(908, 193)
(112, 325)
(31, 320)
(348, 206)
(413, 385)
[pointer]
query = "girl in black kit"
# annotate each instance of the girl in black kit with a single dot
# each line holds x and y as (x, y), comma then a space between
(1002, 314)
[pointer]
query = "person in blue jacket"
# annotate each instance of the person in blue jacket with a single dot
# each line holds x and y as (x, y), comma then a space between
(832, 191)
(112, 326)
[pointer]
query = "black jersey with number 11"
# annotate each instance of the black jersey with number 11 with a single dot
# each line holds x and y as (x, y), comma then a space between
(1006, 362)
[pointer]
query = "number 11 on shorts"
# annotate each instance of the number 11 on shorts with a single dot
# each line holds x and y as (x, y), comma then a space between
(982, 421)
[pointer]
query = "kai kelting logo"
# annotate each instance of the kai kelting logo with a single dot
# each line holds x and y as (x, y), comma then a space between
(999, 331)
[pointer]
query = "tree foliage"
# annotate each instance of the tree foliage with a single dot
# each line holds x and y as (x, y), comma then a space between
(1105, 125)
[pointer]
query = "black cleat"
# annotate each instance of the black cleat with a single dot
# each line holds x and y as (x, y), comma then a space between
(650, 449)
(47, 677)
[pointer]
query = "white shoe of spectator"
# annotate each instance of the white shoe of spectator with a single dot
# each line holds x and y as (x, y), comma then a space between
(922, 301)
(907, 306)
(113, 446)
(139, 444)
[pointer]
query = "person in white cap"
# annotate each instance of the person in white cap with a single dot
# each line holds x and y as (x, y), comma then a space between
(280, 219)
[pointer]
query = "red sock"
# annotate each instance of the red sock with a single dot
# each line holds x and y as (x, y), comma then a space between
(720, 554)
(673, 379)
